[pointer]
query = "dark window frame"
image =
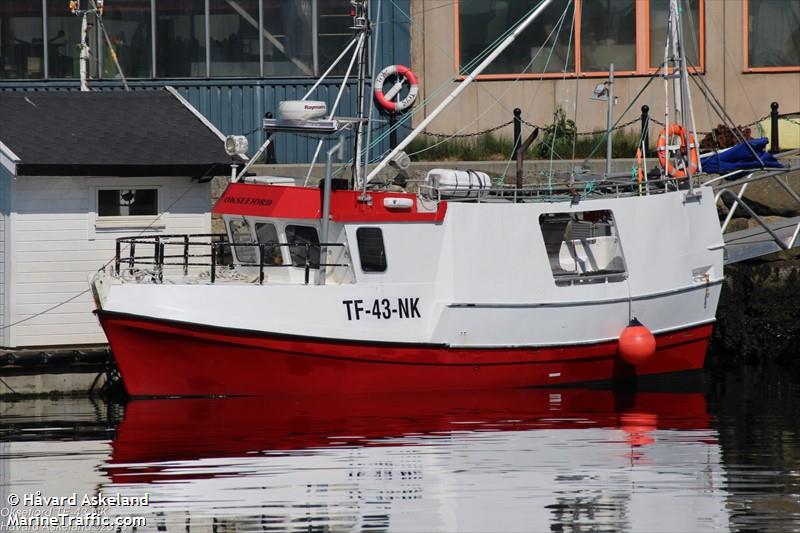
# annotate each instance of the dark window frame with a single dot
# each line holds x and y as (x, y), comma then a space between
(381, 266)
(641, 47)
(599, 224)
(156, 202)
(313, 251)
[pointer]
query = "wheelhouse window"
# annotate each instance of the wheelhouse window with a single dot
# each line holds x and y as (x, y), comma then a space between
(267, 234)
(583, 247)
(773, 35)
(582, 37)
(240, 233)
(303, 245)
(127, 202)
(371, 249)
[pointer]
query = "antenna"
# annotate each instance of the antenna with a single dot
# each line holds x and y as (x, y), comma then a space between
(96, 7)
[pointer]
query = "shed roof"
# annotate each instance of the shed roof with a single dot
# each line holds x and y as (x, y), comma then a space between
(112, 133)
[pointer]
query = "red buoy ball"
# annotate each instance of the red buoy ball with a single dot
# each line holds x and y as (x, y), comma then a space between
(637, 344)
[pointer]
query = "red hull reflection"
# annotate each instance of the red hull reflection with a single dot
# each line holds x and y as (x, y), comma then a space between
(186, 429)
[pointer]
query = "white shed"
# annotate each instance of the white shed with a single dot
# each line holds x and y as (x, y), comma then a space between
(77, 171)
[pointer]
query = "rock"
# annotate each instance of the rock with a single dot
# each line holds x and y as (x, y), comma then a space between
(767, 219)
(766, 197)
(737, 224)
(758, 318)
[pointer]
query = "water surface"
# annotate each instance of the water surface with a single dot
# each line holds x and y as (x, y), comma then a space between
(715, 453)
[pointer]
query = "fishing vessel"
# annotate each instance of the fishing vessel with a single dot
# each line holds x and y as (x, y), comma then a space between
(362, 285)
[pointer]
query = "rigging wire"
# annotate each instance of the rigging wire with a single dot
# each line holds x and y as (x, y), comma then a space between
(555, 116)
(474, 62)
(508, 89)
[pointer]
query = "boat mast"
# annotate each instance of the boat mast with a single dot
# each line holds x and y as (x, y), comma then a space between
(681, 84)
(458, 90)
(361, 25)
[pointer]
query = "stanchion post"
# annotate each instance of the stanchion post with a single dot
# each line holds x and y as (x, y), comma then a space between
(774, 142)
(645, 129)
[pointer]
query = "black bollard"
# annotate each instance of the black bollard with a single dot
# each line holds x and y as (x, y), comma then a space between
(271, 159)
(517, 131)
(774, 142)
(645, 130)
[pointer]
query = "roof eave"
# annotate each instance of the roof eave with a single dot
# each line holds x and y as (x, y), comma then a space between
(8, 159)
(200, 170)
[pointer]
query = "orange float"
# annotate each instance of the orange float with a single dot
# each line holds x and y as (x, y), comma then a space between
(637, 343)
(688, 148)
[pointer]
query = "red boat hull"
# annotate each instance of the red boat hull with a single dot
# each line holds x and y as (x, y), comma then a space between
(165, 358)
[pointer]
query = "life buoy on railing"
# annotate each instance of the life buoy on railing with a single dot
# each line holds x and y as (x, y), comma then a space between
(688, 147)
(403, 74)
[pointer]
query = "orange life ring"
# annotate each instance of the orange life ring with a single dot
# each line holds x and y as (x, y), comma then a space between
(386, 100)
(664, 149)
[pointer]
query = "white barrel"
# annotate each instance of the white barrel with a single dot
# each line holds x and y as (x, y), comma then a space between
(458, 183)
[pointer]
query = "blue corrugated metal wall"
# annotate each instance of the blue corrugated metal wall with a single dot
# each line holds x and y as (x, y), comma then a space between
(236, 106)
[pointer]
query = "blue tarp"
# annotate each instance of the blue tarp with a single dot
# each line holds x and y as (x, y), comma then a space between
(740, 157)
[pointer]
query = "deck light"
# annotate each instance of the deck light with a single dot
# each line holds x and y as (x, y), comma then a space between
(236, 145)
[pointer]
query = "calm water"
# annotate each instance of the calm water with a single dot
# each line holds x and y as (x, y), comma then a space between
(721, 455)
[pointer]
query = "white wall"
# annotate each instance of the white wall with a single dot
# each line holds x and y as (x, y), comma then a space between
(5, 203)
(57, 245)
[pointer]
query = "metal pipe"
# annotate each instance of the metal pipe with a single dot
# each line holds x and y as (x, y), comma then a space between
(45, 51)
(609, 117)
(337, 149)
(458, 90)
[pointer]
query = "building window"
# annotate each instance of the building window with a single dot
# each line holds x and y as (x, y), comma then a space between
(180, 39)
(333, 33)
(245, 38)
(772, 34)
(127, 202)
(371, 250)
(234, 38)
(304, 245)
(63, 42)
(583, 247)
(608, 35)
(129, 28)
(584, 41)
(267, 234)
(690, 20)
(21, 50)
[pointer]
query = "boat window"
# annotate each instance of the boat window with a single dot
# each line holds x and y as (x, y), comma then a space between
(298, 237)
(583, 247)
(267, 234)
(240, 234)
(371, 250)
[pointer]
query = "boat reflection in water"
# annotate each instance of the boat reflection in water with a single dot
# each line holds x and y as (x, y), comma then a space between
(527, 460)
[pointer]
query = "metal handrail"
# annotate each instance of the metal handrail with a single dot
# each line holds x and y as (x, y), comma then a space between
(160, 259)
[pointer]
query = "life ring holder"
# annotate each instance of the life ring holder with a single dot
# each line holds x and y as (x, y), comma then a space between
(664, 148)
(385, 99)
